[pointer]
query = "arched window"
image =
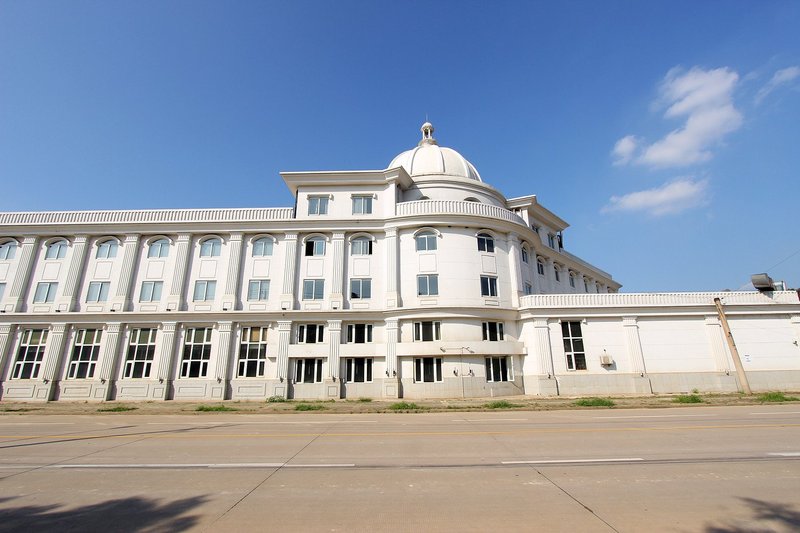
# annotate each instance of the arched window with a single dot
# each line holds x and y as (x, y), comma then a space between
(211, 247)
(557, 272)
(262, 247)
(485, 242)
(315, 246)
(426, 241)
(361, 246)
(525, 258)
(572, 279)
(540, 266)
(57, 250)
(158, 248)
(107, 249)
(8, 250)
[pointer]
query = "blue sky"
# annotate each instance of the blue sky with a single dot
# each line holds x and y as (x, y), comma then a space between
(665, 133)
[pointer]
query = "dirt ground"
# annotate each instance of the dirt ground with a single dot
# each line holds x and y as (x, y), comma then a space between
(515, 403)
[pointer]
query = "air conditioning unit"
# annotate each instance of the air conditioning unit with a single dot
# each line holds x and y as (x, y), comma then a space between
(606, 360)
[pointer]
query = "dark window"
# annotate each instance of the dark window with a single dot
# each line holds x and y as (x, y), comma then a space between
(359, 369)
(428, 369)
(497, 369)
(427, 331)
(573, 345)
(359, 333)
(488, 286)
(492, 331)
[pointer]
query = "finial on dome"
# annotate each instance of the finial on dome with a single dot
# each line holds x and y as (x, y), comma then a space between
(427, 134)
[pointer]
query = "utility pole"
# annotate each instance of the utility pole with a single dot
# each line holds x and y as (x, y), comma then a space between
(737, 362)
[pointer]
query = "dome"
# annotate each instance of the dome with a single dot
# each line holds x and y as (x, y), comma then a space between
(428, 158)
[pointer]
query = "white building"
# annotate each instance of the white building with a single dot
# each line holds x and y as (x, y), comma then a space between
(420, 280)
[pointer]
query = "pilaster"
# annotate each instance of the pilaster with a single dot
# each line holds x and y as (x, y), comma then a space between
(166, 355)
(392, 293)
(223, 350)
(334, 346)
(634, 345)
(69, 296)
(177, 291)
(289, 266)
(109, 358)
(18, 293)
(122, 300)
(231, 299)
(544, 352)
(6, 335)
(515, 269)
(52, 358)
(391, 384)
(337, 284)
(284, 338)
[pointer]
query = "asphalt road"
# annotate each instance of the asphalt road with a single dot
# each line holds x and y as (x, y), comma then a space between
(684, 469)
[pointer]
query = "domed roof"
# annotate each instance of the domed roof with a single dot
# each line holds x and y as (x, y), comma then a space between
(428, 158)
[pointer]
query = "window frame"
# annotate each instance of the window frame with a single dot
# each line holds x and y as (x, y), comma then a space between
(420, 330)
(209, 290)
(489, 286)
(485, 242)
(97, 292)
(158, 248)
(301, 372)
(107, 249)
(151, 291)
(353, 333)
(196, 354)
(50, 290)
(314, 246)
(317, 291)
(502, 365)
(252, 358)
(211, 247)
(56, 249)
(420, 373)
(261, 295)
(428, 289)
(364, 291)
(429, 238)
(540, 268)
(318, 205)
(528, 289)
(8, 250)
(525, 256)
(305, 335)
(364, 203)
(85, 353)
(262, 247)
(140, 354)
(358, 243)
(575, 358)
(493, 329)
(30, 355)
(351, 372)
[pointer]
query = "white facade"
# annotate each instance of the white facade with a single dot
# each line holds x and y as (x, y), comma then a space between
(420, 280)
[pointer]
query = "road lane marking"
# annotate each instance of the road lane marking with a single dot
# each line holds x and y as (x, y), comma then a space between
(572, 461)
(778, 414)
(199, 465)
(786, 454)
(490, 420)
(648, 416)
(236, 423)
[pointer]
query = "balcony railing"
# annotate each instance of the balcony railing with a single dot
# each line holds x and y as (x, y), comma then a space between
(549, 301)
(147, 216)
(456, 207)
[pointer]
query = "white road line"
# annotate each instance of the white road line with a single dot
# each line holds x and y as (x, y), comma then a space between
(650, 416)
(778, 413)
(786, 454)
(571, 461)
(201, 465)
(257, 423)
(490, 420)
(37, 423)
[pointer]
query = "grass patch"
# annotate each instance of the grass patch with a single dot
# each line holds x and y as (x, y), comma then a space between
(776, 397)
(18, 409)
(687, 398)
(309, 407)
(214, 408)
(500, 404)
(116, 409)
(404, 406)
(276, 399)
(595, 402)
(365, 400)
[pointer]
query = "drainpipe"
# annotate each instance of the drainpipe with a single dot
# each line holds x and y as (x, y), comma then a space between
(732, 345)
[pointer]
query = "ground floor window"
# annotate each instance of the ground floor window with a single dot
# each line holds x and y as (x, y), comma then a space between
(359, 369)
(84, 354)
(359, 333)
(308, 371)
(30, 354)
(196, 353)
(427, 331)
(499, 369)
(253, 353)
(428, 369)
(573, 345)
(493, 331)
(310, 333)
(141, 349)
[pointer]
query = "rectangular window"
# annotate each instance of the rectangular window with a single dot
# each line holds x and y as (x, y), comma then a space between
(361, 246)
(525, 255)
(196, 353)
(204, 290)
(572, 280)
(426, 242)
(45, 292)
(30, 354)
(258, 290)
(427, 331)
(362, 205)
(98, 291)
(427, 285)
(358, 369)
(310, 333)
(141, 350)
(528, 288)
(313, 289)
(253, 353)
(556, 273)
(428, 369)
(359, 333)
(308, 371)
(499, 369)
(151, 291)
(493, 331)
(488, 286)
(573, 345)
(84, 354)
(317, 205)
(540, 267)
(551, 240)
(315, 247)
(361, 288)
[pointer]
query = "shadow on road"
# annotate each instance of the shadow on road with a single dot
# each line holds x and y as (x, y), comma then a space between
(124, 514)
(766, 516)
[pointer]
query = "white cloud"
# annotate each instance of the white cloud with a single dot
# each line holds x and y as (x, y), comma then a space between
(705, 98)
(781, 77)
(624, 150)
(672, 197)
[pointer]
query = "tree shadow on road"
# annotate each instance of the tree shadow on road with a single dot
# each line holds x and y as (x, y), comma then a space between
(766, 516)
(125, 515)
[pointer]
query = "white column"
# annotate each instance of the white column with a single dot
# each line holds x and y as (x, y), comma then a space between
(544, 351)
(392, 293)
(54, 351)
(223, 351)
(122, 301)
(337, 283)
(515, 272)
(289, 266)
(177, 291)
(634, 345)
(69, 296)
(165, 358)
(719, 349)
(392, 328)
(111, 351)
(284, 338)
(6, 334)
(16, 296)
(334, 345)
(231, 299)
